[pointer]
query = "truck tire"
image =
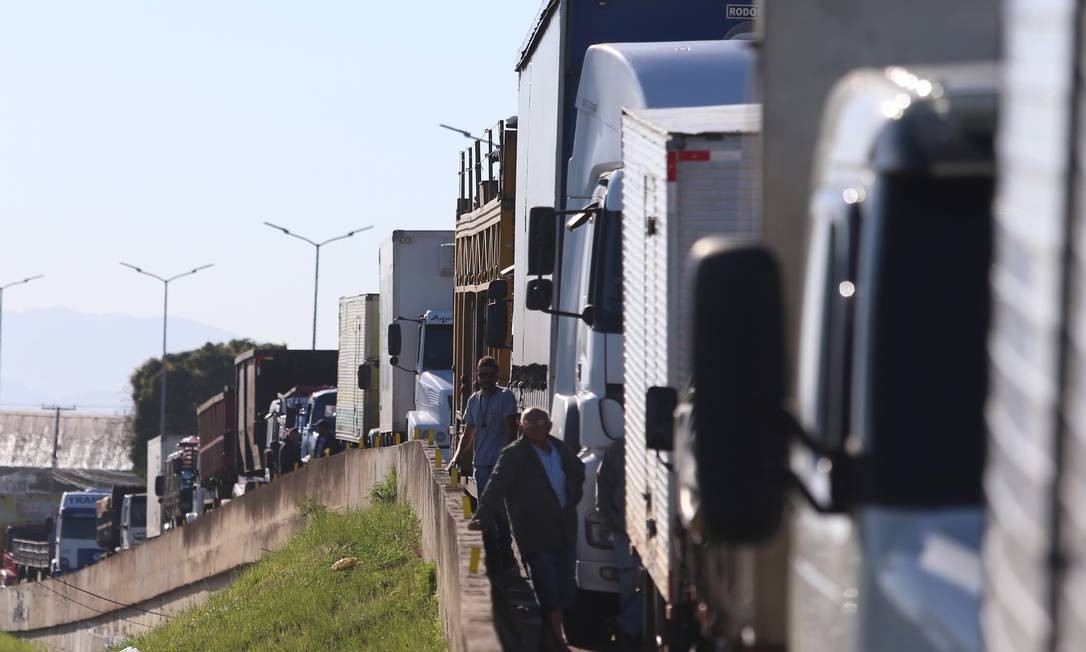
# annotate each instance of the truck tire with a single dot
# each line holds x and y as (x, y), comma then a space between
(589, 623)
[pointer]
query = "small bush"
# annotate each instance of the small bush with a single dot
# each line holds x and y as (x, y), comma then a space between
(385, 492)
(309, 508)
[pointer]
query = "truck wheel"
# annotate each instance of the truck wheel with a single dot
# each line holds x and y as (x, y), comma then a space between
(588, 625)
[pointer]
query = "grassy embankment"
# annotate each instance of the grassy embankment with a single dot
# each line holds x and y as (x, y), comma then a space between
(293, 600)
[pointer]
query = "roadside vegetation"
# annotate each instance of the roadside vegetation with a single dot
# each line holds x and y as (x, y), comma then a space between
(293, 599)
(9, 643)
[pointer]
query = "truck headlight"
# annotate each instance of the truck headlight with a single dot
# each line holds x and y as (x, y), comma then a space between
(596, 531)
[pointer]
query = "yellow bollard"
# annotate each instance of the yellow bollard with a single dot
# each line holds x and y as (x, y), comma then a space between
(437, 459)
(454, 476)
(398, 442)
(468, 513)
(377, 441)
(473, 563)
(430, 437)
(418, 433)
(297, 465)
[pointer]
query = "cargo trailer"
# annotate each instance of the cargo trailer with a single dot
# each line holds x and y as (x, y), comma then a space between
(216, 421)
(357, 409)
(484, 259)
(688, 173)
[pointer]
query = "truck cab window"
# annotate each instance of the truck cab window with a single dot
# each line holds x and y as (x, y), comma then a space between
(605, 279)
(138, 513)
(926, 329)
(835, 404)
(78, 528)
(438, 349)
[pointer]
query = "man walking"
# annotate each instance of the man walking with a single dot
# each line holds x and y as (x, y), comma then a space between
(490, 417)
(327, 444)
(290, 452)
(540, 481)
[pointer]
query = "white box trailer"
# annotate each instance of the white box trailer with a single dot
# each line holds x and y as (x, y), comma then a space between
(416, 276)
(359, 338)
(688, 173)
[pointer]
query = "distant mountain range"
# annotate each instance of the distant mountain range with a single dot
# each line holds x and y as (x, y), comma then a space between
(62, 356)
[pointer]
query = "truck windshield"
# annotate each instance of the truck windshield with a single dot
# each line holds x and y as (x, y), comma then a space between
(137, 513)
(438, 353)
(78, 527)
(605, 282)
(323, 408)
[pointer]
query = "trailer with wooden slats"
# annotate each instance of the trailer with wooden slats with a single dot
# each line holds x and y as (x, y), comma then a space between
(484, 253)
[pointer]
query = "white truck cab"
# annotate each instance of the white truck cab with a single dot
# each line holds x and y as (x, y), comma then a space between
(584, 250)
(885, 445)
(416, 270)
(76, 543)
(433, 366)
(133, 520)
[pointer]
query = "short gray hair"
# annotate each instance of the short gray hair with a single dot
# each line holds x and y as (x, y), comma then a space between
(535, 410)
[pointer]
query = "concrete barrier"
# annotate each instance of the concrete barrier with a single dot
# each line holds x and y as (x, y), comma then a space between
(165, 574)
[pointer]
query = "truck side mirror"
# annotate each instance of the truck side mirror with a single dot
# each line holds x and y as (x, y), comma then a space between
(498, 290)
(394, 341)
(542, 233)
(158, 486)
(497, 321)
(539, 294)
(740, 443)
(660, 404)
(365, 376)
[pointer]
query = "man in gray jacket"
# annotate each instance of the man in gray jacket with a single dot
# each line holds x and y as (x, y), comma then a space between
(540, 481)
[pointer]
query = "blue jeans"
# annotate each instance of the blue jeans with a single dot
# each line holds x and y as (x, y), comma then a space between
(553, 578)
(497, 540)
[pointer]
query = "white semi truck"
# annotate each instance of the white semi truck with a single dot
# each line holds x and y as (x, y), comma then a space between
(884, 446)
(583, 255)
(416, 277)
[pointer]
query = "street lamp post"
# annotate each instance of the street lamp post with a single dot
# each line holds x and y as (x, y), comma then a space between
(317, 263)
(2, 288)
(165, 303)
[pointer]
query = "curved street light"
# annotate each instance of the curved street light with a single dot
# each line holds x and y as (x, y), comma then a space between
(165, 303)
(317, 263)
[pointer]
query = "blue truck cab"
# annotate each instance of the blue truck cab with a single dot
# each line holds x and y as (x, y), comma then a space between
(76, 543)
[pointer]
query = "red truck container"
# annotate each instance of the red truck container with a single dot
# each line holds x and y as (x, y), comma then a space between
(216, 422)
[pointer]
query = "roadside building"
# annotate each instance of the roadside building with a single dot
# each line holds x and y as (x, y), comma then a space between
(92, 450)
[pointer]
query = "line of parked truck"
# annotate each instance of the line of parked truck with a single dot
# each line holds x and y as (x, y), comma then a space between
(784, 268)
(771, 261)
(88, 526)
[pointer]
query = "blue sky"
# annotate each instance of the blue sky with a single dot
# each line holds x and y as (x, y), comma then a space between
(164, 133)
